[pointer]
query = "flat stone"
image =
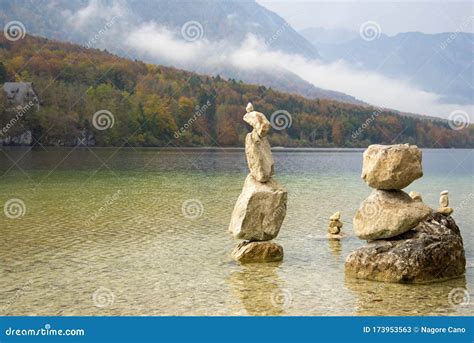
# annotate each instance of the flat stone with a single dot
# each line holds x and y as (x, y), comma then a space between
(447, 211)
(386, 214)
(391, 166)
(259, 211)
(259, 122)
(415, 196)
(247, 252)
(259, 157)
(432, 251)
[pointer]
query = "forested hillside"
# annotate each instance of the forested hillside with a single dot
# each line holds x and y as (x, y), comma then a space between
(155, 106)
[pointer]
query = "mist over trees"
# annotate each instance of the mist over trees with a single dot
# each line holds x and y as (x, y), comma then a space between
(158, 106)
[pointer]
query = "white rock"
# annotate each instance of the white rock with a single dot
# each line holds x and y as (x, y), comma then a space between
(386, 214)
(259, 211)
(259, 122)
(443, 199)
(259, 157)
(415, 196)
(391, 166)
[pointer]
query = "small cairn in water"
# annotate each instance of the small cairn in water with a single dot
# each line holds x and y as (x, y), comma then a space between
(444, 204)
(335, 226)
(261, 207)
(409, 242)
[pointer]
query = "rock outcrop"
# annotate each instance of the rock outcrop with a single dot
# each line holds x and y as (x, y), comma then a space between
(261, 206)
(386, 214)
(432, 251)
(246, 252)
(391, 166)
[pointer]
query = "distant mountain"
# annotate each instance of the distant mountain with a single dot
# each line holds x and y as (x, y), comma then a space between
(107, 23)
(320, 35)
(439, 63)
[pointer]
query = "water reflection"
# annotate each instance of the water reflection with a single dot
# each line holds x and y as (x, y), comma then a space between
(380, 298)
(272, 298)
(335, 246)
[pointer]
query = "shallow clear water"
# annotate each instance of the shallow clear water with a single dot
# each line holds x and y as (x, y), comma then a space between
(104, 233)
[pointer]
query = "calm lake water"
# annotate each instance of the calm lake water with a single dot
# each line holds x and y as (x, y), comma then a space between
(144, 232)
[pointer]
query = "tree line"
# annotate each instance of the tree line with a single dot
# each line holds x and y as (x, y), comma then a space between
(153, 105)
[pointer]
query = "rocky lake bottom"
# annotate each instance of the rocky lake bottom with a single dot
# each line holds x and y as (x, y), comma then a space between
(109, 231)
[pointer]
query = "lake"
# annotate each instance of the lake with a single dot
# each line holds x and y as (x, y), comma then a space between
(110, 231)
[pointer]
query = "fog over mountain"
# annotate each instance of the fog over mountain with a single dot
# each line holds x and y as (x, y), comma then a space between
(237, 39)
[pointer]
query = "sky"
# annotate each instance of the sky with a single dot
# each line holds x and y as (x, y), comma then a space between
(393, 16)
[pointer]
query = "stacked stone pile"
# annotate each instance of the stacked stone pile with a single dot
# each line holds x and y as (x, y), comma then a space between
(261, 207)
(409, 242)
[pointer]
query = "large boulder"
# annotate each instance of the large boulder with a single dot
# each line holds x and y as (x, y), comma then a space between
(432, 251)
(391, 166)
(259, 157)
(386, 214)
(247, 252)
(259, 211)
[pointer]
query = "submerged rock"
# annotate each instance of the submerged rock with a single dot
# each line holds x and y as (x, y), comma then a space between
(391, 166)
(431, 251)
(246, 252)
(259, 157)
(259, 211)
(386, 214)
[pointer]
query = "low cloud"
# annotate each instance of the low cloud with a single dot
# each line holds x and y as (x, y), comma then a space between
(158, 44)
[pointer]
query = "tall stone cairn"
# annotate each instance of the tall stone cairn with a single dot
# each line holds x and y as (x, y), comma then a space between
(261, 207)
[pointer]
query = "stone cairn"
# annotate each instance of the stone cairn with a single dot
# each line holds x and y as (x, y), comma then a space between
(444, 204)
(261, 207)
(409, 242)
(335, 226)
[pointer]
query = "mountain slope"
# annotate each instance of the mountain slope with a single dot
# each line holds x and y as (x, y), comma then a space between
(439, 63)
(224, 25)
(149, 105)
